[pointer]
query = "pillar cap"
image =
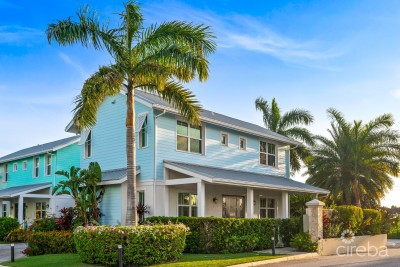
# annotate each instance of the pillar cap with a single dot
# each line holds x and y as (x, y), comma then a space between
(315, 202)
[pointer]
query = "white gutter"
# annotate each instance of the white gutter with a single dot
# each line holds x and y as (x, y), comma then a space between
(155, 158)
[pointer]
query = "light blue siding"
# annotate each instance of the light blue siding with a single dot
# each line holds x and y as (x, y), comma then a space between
(111, 205)
(109, 138)
(215, 154)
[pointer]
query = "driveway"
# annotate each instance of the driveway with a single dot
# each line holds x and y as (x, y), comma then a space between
(5, 251)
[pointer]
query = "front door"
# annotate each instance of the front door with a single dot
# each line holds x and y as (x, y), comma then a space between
(16, 211)
(232, 207)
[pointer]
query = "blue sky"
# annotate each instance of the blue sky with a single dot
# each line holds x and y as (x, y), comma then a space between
(306, 54)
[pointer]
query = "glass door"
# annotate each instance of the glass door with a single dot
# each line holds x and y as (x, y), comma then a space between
(232, 207)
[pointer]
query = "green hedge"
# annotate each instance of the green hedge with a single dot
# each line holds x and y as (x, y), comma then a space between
(53, 242)
(219, 235)
(18, 235)
(350, 217)
(142, 245)
(7, 224)
(372, 222)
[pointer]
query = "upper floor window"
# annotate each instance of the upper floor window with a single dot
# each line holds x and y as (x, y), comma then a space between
(5, 172)
(143, 134)
(36, 167)
(187, 204)
(242, 143)
(15, 167)
(267, 208)
(189, 137)
(24, 165)
(48, 165)
(88, 145)
(224, 139)
(267, 154)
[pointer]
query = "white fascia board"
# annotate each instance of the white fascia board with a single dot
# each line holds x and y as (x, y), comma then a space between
(181, 181)
(31, 190)
(187, 172)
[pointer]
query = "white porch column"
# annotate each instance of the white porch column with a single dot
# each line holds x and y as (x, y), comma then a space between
(285, 205)
(20, 208)
(201, 199)
(250, 202)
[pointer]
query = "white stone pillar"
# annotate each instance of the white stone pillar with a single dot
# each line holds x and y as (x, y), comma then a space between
(201, 201)
(250, 203)
(315, 223)
(285, 205)
(20, 209)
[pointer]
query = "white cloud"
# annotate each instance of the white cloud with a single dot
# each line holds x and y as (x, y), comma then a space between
(17, 35)
(395, 93)
(73, 64)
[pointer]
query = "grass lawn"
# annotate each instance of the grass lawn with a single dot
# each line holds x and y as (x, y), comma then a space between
(206, 260)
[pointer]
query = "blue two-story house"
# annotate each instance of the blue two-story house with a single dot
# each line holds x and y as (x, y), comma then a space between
(28, 176)
(224, 168)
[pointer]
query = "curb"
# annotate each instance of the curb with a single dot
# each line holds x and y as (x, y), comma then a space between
(278, 260)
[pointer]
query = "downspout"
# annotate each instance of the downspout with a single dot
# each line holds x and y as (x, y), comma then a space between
(155, 159)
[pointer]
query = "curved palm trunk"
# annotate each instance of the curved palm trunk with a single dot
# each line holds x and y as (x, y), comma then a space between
(131, 212)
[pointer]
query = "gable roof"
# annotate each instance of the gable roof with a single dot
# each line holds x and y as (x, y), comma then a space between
(244, 178)
(22, 189)
(40, 149)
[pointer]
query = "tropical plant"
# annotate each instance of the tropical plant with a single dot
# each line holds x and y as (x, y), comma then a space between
(82, 185)
(357, 160)
(288, 124)
(157, 60)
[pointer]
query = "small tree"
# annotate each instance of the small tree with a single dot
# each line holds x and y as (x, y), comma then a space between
(82, 185)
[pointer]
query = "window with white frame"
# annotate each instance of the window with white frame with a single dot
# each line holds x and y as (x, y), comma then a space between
(35, 167)
(187, 204)
(267, 208)
(141, 203)
(48, 164)
(41, 210)
(4, 211)
(88, 145)
(143, 135)
(24, 165)
(189, 137)
(224, 139)
(15, 167)
(267, 154)
(5, 172)
(242, 143)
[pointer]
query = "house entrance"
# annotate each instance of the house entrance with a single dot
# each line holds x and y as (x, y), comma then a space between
(232, 207)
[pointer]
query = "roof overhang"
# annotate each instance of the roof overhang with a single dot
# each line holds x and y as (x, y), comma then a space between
(22, 190)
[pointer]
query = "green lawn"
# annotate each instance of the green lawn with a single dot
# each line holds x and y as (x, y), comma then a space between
(206, 260)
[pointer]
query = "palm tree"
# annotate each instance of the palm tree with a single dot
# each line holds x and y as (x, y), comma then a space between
(288, 125)
(156, 59)
(356, 162)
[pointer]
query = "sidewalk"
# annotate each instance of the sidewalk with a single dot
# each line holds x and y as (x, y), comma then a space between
(5, 251)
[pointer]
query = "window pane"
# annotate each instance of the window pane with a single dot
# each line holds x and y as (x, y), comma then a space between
(43, 205)
(271, 149)
(223, 139)
(263, 202)
(271, 213)
(271, 160)
(183, 211)
(195, 145)
(194, 211)
(182, 128)
(271, 203)
(263, 146)
(182, 143)
(263, 159)
(183, 198)
(195, 132)
(263, 213)
(193, 200)
(242, 143)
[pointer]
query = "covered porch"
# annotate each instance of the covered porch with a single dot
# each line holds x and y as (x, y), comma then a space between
(196, 190)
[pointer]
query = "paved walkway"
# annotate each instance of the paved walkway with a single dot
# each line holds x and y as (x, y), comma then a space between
(5, 251)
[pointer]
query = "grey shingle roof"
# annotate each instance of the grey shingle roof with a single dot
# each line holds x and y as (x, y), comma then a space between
(16, 190)
(116, 174)
(39, 149)
(221, 175)
(216, 118)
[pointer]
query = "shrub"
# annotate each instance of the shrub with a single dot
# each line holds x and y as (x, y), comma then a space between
(302, 242)
(350, 217)
(236, 244)
(44, 225)
(214, 235)
(372, 222)
(7, 224)
(66, 218)
(52, 242)
(18, 235)
(142, 245)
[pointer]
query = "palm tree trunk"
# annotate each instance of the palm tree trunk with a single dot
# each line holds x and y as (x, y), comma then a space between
(356, 191)
(131, 212)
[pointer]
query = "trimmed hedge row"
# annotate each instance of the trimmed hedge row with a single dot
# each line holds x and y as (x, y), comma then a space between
(142, 245)
(7, 224)
(220, 235)
(53, 242)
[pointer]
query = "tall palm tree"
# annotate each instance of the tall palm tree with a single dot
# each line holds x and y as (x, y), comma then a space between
(356, 162)
(288, 124)
(156, 59)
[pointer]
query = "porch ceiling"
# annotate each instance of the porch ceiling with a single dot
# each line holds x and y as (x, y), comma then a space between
(23, 189)
(238, 178)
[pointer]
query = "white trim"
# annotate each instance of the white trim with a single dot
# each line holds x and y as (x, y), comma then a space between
(227, 139)
(15, 166)
(34, 167)
(29, 191)
(245, 143)
(26, 165)
(84, 136)
(37, 196)
(203, 137)
(275, 208)
(193, 174)
(267, 154)
(46, 164)
(181, 181)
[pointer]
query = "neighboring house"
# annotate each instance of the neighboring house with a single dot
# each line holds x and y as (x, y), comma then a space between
(223, 168)
(28, 176)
